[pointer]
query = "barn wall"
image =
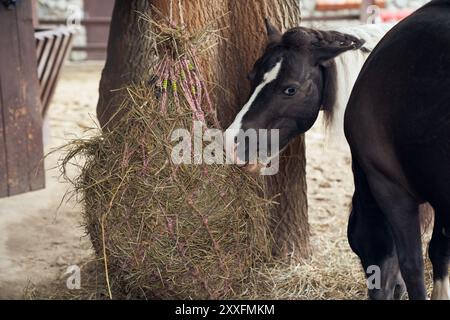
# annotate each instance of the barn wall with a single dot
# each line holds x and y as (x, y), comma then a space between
(92, 19)
(97, 31)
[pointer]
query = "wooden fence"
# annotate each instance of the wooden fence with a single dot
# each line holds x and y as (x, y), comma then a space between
(53, 46)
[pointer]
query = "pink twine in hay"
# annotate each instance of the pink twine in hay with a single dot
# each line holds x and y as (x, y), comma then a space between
(170, 227)
(188, 89)
(195, 91)
(164, 76)
(208, 102)
(187, 92)
(173, 83)
(126, 156)
(198, 88)
(183, 74)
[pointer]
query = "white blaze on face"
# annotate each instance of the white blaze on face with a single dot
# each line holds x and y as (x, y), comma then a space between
(441, 289)
(233, 129)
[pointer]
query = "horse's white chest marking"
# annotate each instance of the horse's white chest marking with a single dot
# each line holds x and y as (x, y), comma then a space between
(269, 76)
(441, 289)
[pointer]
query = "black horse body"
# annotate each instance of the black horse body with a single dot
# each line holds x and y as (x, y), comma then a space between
(397, 123)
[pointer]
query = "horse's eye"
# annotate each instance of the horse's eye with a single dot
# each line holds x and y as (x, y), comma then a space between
(290, 91)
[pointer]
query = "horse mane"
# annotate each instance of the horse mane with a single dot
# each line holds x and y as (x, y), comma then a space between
(341, 73)
(330, 88)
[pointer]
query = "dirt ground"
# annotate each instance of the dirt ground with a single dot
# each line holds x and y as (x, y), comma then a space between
(40, 234)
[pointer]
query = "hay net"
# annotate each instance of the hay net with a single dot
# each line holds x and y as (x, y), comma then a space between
(163, 230)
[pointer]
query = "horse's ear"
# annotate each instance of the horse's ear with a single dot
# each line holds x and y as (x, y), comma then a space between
(327, 45)
(273, 34)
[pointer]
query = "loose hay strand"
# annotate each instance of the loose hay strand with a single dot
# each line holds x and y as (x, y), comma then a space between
(105, 259)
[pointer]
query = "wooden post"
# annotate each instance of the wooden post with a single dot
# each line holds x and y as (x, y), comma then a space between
(21, 148)
(34, 13)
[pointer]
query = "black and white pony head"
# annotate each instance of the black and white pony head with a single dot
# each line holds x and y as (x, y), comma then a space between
(288, 84)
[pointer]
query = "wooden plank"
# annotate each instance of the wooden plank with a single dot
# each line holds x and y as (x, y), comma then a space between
(49, 65)
(34, 13)
(53, 47)
(19, 105)
(332, 17)
(31, 97)
(44, 57)
(92, 47)
(14, 110)
(39, 48)
(63, 52)
(95, 23)
(336, 5)
(3, 163)
(57, 43)
(100, 10)
(106, 20)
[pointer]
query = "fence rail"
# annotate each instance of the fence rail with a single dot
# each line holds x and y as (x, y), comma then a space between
(52, 48)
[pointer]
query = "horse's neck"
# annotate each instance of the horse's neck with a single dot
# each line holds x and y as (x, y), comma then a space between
(348, 66)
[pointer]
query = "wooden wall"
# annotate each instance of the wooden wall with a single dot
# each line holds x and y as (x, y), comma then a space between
(21, 149)
(98, 17)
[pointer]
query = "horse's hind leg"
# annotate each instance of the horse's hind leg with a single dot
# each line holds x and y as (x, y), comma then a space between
(371, 239)
(402, 213)
(439, 253)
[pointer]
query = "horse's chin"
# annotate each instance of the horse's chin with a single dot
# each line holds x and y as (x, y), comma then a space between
(254, 169)
(259, 168)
